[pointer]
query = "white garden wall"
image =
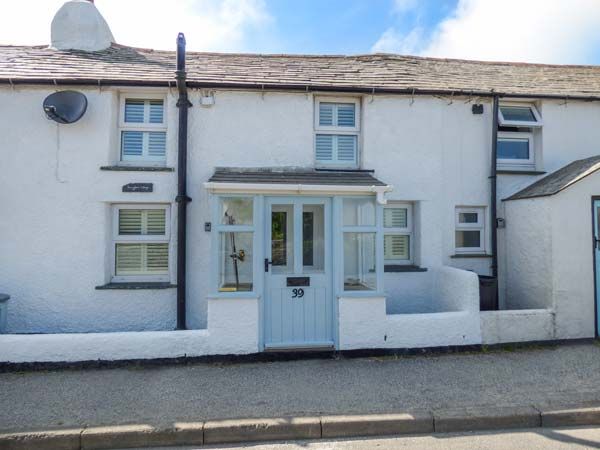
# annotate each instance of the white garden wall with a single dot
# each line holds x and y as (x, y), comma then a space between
(233, 329)
(363, 322)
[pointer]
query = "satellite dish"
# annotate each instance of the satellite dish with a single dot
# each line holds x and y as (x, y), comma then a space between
(65, 106)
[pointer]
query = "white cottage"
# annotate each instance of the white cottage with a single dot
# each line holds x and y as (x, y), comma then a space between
(237, 203)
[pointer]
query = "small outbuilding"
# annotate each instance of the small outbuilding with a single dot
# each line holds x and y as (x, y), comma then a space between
(554, 249)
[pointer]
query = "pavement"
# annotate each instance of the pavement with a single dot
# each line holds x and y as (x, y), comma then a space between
(497, 389)
(530, 439)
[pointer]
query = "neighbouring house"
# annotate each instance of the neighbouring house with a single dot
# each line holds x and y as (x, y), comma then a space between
(337, 202)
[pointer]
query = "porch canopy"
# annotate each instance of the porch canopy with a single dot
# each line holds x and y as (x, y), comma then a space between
(295, 181)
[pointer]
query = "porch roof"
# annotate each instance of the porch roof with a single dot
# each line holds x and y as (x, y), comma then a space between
(294, 176)
(296, 181)
(559, 180)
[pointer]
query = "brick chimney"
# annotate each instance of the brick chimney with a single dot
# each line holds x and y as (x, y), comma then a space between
(78, 25)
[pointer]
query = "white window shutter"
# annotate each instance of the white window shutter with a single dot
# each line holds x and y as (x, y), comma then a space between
(346, 115)
(324, 148)
(396, 246)
(134, 111)
(395, 218)
(326, 114)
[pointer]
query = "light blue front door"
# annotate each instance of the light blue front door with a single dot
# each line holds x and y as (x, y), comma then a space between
(298, 277)
(596, 213)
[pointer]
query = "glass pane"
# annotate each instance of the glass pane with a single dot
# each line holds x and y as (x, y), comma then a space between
(396, 247)
(156, 111)
(346, 148)
(359, 211)
(345, 115)
(467, 217)
(513, 148)
(142, 222)
(518, 113)
(282, 238)
(359, 262)
(313, 238)
(395, 217)
(235, 262)
(134, 111)
(326, 114)
(468, 239)
(142, 259)
(236, 210)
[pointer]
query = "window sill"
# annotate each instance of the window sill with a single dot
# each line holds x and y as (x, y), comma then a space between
(519, 172)
(138, 168)
(471, 255)
(137, 285)
(397, 268)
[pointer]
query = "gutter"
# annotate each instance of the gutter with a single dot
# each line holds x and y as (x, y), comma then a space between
(291, 87)
(493, 188)
(182, 198)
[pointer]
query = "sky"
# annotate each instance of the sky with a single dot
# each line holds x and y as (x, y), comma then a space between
(544, 31)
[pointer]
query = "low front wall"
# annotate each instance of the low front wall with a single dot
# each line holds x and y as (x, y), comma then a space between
(517, 326)
(233, 329)
(363, 322)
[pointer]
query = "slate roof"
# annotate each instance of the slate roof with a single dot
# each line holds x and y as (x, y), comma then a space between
(295, 176)
(559, 180)
(374, 72)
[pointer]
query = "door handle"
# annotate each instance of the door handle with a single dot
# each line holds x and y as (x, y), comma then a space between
(597, 243)
(267, 262)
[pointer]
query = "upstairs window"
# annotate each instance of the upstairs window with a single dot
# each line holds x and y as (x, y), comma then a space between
(141, 243)
(516, 130)
(397, 237)
(470, 230)
(143, 130)
(336, 133)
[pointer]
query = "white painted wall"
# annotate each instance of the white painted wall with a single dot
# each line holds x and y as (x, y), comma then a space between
(517, 326)
(55, 237)
(363, 322)
(233, 330)
(551, 257)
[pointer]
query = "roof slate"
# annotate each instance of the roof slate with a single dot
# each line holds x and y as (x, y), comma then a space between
(384, 72)
(295, 176)
(559, 180)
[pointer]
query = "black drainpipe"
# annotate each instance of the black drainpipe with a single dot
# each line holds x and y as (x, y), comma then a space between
(493, 184)
(182, 198)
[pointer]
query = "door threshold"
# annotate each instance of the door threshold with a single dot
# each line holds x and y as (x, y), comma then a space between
(299, 348)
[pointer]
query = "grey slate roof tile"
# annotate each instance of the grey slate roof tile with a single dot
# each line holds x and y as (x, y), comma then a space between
(559, 180)
(294, 176)
(128, 65)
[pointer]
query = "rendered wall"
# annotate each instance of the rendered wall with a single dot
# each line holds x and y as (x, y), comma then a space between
(551, 257)
(363, 322)
(233, 330)
(55, 239)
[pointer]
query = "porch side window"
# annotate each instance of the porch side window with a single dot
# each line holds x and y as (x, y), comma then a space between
(235, 244)
(397, 238)
(470, 230)
(337, 129)
(141, 243)
(143, 130)
(360, 244)
(517, 125)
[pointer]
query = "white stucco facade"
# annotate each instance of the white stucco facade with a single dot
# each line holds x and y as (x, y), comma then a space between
(55, 234)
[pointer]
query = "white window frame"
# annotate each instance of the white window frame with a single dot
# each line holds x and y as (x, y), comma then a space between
(143, 160)
(218, 228)
(136, 239)
(335, 130)
(520, 123)
(376, 229)
(398, 231)
(479, 226)
(530, 162)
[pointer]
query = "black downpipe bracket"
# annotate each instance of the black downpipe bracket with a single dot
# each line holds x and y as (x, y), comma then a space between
(493, 188)
(182, 198)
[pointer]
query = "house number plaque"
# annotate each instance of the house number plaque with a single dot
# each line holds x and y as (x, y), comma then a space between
(297, 293)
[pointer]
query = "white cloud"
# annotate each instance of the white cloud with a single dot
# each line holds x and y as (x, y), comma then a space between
(402, 6)
(393, 42)
(548, 31)
(209, 25)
